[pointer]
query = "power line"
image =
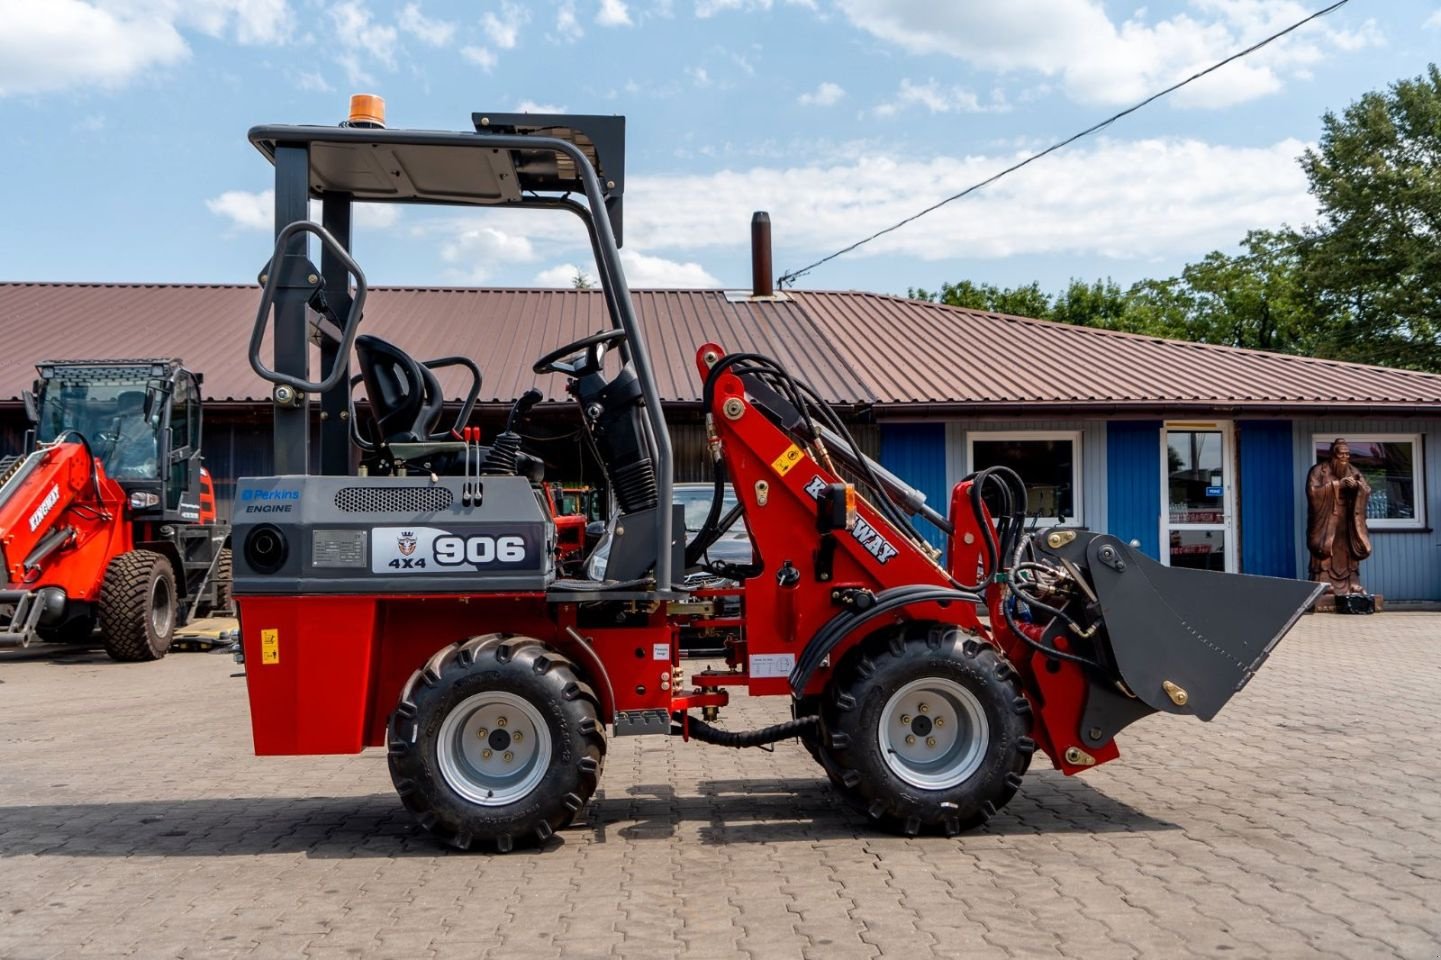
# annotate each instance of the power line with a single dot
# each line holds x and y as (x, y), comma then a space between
(793, 275)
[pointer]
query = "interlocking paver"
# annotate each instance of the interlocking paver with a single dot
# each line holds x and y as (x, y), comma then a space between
(1304, 822)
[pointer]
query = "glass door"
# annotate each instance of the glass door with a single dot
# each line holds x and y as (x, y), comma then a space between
(1197, 488)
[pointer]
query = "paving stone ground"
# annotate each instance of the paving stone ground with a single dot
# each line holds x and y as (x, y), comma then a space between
(1305, 821)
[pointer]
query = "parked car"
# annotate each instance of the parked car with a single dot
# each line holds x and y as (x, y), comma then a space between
(733, 547)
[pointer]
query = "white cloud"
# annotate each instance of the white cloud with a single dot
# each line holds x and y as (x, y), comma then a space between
(487, 244)
(479, 56)
(313, 82)
(567, 25)
(249, 21)
(826, 95)
(256, 211)
(437, 33)
(248, 211)
(564, 275)
(504, 31)
(644, 271)
(1099, 60)
(1122, 199)
(939, 99)
(67, 43)
(613, 13)
(530, 106)
(1433, 22)
(709, 8)
(364, 41)
(698, 75)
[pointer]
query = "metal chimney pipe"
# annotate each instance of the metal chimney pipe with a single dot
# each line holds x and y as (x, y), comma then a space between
(761, 284)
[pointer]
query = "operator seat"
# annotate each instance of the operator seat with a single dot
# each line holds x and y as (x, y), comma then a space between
(405, 396)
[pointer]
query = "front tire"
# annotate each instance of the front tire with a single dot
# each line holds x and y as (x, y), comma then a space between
(496, 741)
(926, 730)
(138, 607)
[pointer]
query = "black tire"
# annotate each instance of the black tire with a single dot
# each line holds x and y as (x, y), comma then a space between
(518, 667)
(853, 709)
(138, 606)
(222, 577)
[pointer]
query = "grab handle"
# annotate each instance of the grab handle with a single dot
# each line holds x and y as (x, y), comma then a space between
(267, 300)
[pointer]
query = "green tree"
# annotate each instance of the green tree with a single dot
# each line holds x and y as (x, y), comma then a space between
(1253, 299)
(1026, 301)
(1372, 265)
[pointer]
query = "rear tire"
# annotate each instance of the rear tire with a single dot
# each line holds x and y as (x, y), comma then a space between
(496, 742)
(138, 606)
(926, 730)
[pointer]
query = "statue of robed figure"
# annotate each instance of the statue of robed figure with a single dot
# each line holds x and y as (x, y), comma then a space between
(1336, 522)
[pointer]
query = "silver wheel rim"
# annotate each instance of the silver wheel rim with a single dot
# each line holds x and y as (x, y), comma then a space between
(161, 609)
(493, 748)
(933, 733)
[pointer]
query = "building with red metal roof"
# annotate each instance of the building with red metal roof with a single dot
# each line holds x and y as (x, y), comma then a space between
(1198, 452)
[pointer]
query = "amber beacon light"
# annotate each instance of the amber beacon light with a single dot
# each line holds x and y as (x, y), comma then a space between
(366, 110)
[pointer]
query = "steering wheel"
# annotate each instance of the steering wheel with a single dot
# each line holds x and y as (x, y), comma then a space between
(581, 358)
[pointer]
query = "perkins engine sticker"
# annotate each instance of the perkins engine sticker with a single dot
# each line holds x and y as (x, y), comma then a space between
(772, 664)
(432, 550)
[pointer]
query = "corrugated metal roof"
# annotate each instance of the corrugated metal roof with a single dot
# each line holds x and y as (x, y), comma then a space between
(943, 356)
(855, 348)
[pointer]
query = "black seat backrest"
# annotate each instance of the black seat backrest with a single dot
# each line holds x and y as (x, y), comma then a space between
(405, 396)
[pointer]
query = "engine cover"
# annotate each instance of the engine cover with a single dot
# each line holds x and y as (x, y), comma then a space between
(389, 535)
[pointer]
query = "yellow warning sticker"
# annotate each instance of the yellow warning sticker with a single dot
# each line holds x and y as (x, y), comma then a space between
(789, 458)
(270, 646)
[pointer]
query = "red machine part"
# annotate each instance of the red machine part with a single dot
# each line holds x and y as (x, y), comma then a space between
(778, 482)
(325, 672)
(65, 496)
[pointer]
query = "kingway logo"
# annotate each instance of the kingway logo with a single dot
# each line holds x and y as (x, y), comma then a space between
(863, 533)
(46, 505)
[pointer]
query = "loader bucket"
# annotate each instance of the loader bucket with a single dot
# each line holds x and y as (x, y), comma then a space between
(1184, 641)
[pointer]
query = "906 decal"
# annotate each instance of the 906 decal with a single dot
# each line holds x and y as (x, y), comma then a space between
(432, 550)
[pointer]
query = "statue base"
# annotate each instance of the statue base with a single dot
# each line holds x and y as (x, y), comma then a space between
(1357, 603)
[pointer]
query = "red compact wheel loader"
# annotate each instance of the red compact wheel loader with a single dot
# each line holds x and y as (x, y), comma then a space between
(109, 518)
(420, 607)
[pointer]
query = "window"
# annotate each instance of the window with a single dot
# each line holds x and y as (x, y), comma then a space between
(1049, 463)
(1391, 464)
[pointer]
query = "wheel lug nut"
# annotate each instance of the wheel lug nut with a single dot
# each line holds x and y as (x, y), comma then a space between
(485, 754)
(905, 718)
(517, 736)
(910, 738)
(923, 708)
(500, 721)
(481, 733)
(508, 756)
(930, 741)
(940, 721)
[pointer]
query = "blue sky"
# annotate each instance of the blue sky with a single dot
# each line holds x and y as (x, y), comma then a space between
(126, 159)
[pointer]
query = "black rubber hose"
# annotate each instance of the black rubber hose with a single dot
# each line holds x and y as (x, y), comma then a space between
(706, 733)
(708, 532)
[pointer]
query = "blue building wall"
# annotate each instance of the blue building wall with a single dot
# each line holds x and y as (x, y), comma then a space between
(1266, 497)
(916, 452)
(1404, 564)
(1092, 453)
(1133, 483)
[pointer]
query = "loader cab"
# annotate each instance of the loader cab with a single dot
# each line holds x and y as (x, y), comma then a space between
(141, 420)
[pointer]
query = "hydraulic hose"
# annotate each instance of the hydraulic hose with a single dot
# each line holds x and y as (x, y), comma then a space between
(706, 733)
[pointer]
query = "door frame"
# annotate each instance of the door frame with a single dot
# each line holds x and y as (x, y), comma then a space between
(1230, 545)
